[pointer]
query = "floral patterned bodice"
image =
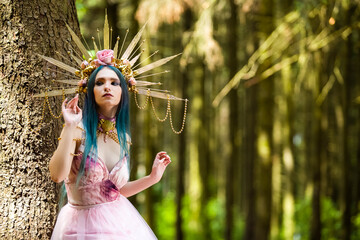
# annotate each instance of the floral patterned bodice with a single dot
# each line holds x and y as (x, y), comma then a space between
(98, 184)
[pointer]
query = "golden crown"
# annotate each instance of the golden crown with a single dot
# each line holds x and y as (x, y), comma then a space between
(88, 62)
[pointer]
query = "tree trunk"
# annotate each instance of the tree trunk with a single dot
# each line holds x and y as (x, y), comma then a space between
(182, 144)
(28, 197)
(136, 121)
(232, 163)
(315, 232)
(348, 122)
(264, 143)
(249, 163)
(205, 165)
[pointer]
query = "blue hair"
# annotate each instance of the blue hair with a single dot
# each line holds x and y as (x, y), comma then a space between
(90, 123)
(90, 120)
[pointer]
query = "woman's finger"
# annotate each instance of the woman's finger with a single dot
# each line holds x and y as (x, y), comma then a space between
(78, 110)
(76, 100)
(63, 107)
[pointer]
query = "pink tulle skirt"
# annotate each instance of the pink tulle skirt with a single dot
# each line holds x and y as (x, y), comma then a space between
(113, 220)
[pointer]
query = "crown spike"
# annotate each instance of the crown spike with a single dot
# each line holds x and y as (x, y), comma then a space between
(64, 58)
(122, 45)
(155, 64)
(95, 46)
(153, 74)
(56, 92)
(133, 61)
(66, 81)
(147, 58)
(98, 33)
(77, 60)
(77, 54)
(87, 45)
(78, 43)
(62, 73)
(111, 34)
(142, 42)
(133, 43)
(146, 83)
(59, 64)
(116, 47)
(106, 32)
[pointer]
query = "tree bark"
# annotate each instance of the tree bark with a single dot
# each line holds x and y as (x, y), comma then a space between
(28, 197)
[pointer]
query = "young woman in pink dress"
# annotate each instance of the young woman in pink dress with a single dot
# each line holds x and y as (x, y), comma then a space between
(92, 159)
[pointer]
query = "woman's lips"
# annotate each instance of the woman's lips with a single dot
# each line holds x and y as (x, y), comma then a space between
(107, 95)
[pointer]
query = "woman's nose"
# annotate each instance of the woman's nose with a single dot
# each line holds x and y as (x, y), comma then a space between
(107, 86)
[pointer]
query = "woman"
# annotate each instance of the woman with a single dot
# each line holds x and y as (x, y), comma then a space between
(92, 160)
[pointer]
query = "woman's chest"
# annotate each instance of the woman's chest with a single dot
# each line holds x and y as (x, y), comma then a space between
(108, 151)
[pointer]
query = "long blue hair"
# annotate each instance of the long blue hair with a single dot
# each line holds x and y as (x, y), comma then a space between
(90, 122)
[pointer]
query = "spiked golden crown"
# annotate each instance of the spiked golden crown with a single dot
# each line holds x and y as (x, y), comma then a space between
(88, 62)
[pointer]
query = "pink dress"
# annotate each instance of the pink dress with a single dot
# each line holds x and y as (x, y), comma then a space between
(96, 209)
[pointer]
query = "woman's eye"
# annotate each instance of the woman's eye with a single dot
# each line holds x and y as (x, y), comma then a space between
(98, 83)
(115, 83)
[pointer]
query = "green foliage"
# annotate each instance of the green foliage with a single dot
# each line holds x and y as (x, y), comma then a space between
(330, 219)
(356, 223)
(239, 226)
(190, 214)
(166, 217)
(215, 211)
(302, 219)
(81, 9)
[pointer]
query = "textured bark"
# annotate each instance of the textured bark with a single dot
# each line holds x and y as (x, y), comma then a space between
(28, 198)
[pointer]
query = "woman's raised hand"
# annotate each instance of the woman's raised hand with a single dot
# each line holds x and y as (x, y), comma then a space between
(71, 112)
(160, 163)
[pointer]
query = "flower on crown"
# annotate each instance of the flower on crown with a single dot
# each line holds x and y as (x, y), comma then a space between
(104, 57)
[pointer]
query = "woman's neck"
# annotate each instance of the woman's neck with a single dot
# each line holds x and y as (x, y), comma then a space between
(108, 113)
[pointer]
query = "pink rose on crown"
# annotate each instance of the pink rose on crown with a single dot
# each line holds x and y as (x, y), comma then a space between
(105, 57)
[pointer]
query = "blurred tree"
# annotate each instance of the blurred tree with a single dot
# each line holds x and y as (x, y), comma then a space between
(233, 161)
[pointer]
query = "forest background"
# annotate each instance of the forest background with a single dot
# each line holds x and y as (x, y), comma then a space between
(270, 148)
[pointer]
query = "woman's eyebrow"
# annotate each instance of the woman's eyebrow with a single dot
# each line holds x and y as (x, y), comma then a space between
(102, 79)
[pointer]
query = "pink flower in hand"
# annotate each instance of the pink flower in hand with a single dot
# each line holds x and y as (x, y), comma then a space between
(105, 57)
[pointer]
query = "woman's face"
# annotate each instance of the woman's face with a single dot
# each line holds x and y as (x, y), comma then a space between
(107, 90)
